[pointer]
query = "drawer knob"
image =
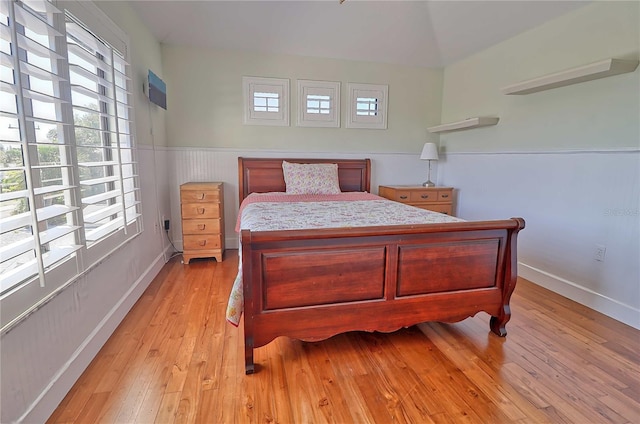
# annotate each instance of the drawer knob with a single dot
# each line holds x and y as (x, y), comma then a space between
(203, 242)
(444, 196)
(201, 211)
(403, 197)
(425, 196)
(201, 196)
(201, 226)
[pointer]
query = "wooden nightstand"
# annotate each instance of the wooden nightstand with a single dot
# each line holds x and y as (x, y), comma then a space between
(202, 220)
(437, 199)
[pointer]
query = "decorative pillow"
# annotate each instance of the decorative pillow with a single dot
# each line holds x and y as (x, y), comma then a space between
(311, 178)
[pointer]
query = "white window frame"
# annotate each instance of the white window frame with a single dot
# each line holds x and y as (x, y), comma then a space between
(327, 89)
(276, 86)
(20, 297)
(378, 92)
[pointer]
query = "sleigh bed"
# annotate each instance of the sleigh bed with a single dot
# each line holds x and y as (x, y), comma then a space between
(311, 284)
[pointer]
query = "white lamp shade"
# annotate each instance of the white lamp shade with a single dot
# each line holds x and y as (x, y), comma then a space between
(429, 152)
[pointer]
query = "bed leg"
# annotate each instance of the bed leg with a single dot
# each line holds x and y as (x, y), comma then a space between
(498, 323)
(249, 366)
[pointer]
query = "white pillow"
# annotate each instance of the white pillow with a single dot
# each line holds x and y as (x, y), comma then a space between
(311, 178)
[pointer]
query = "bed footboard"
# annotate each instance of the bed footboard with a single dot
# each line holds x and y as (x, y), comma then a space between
(313, 284)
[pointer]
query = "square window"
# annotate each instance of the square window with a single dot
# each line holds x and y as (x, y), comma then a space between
(318, 104)
(266, 101)
(367, 106)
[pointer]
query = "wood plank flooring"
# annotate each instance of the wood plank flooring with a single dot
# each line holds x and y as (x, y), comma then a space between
(174, 359)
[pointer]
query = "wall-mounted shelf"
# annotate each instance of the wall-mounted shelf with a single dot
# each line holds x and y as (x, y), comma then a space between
(467, 124)
(601, 69)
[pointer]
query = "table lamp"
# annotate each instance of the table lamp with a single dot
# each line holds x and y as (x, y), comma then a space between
(429, 152)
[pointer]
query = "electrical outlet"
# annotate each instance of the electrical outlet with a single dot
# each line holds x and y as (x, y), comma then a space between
(156, 228)
(599, 253)
(166, 225)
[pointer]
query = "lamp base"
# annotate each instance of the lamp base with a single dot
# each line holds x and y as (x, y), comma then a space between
(429, 184)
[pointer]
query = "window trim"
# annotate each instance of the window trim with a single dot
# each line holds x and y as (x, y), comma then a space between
(309, 87)
(378, 91)
(251, 85)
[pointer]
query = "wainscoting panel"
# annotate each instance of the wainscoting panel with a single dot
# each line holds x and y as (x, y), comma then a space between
(197, 164)
(573, 203)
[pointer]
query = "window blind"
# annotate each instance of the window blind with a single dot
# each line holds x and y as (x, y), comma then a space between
(68, 180)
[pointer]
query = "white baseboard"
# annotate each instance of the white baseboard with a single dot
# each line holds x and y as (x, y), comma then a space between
(596, 301)
(51, 396)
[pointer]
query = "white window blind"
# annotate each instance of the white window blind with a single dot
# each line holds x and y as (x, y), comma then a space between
(368, 106)
(101, 117)
(68, 183)
(318, 103)
(266, 101)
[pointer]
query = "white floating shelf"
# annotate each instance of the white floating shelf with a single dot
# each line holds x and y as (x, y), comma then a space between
(467, 124)
(602, 69)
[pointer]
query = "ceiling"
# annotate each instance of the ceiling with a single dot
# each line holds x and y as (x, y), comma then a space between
(418, 33)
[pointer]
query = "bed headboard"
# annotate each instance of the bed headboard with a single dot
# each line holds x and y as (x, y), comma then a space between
(262, 175)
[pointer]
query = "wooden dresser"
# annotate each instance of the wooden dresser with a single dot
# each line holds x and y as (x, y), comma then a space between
(437, 199)
(202, 220)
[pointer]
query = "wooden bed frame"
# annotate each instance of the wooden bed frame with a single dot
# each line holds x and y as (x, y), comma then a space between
(313, 284)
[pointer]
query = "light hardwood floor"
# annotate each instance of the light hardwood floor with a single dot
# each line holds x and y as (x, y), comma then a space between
(174, 359)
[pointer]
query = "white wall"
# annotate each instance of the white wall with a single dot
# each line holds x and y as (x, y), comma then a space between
(204, 91)
(44, 355)
(567, 160)
(571, 203)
